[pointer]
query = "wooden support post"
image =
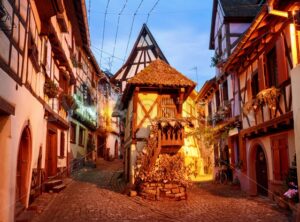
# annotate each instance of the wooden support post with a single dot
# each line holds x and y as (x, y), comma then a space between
(181, 94)
(134, 111)
(242, 148)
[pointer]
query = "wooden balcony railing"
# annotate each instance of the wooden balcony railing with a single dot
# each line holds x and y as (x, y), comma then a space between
(172, 137)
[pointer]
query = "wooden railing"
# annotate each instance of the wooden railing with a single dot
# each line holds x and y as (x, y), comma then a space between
(172, 137)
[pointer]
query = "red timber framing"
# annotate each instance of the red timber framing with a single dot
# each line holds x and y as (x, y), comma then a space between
(267, 36)
(145, 51)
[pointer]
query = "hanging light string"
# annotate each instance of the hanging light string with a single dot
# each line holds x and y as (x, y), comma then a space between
(132, 23)
(117, 32)
(151, 10)
(103, 33)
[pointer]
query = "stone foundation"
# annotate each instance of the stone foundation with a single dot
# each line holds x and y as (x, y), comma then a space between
(157, 191)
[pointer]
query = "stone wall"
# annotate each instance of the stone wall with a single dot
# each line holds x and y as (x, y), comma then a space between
(158, 191)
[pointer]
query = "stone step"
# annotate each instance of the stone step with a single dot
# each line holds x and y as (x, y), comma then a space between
(51, 184)
(58, 188)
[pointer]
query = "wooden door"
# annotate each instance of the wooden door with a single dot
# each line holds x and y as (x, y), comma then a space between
(23, 167)
(51, 153)
(100, 146)
(261, 172)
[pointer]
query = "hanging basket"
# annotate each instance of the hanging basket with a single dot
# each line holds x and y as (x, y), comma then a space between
(51, 89)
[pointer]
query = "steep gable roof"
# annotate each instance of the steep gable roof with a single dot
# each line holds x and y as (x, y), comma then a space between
(158, 73)
(240, 8)
(145, 50)
(234, 10)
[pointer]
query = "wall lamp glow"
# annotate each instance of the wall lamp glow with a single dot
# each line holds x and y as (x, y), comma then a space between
(277, 12)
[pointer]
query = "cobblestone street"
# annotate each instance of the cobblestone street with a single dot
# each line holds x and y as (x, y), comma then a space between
(93, 196)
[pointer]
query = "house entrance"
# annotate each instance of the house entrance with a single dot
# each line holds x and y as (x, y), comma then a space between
(23, 168)
(261, 172)
(51, 153)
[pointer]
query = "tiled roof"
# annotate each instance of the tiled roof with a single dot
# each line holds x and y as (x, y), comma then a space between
(160, 73)
(240, 8)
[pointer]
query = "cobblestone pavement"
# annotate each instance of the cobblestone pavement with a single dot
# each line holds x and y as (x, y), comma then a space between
(92, 196)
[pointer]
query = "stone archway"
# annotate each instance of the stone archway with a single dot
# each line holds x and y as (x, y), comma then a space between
(23, 167)
(258, 170)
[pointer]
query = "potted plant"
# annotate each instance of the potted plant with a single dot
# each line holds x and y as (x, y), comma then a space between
(68, 102)
(216, 60)
(50, 89)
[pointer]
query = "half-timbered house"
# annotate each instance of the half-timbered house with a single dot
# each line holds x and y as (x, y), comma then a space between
(260, 67)
(158, 92)
(230, 19)
(144, 51)
(38, 77)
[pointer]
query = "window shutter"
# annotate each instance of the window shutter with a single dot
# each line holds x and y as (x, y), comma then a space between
(261, 79)
(281, 61)
(249, 94)
(284, 163)
(276, 160)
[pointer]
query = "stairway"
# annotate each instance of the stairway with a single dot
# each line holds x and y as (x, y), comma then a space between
(54, 186)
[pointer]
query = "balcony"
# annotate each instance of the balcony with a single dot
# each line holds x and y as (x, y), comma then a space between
(172, 137)
(171, 133)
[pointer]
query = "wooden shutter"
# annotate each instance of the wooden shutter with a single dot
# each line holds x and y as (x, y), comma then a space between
(276, 160)
(281, 61)
(261, 79)
(284, 158)
(248, 87)
(62, 144)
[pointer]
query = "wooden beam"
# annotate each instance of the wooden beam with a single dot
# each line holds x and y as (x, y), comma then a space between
(6, 108)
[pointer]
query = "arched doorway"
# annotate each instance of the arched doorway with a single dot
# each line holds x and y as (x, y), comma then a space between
(261, 172)
(23, 167)
(116, 149)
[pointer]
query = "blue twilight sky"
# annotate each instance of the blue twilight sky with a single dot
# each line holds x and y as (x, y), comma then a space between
(180, 27)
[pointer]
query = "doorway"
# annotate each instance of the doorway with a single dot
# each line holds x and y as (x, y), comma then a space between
(23, 167)
(261, 172)
(51, 153)
(100, 146)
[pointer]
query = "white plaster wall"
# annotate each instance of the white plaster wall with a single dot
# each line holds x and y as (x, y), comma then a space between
(27, 108)
(110, 143)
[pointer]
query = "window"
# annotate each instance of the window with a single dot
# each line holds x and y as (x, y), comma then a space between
(225, 91)
(168, 107)
(81, 136)
(73, 133)
(254, 85)
(280, 156)
(45, 53)
(217, 99)
(220, 43)
(33, 53)
(272, 68)
(63, 82)
(209, 108)
(62, 144)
